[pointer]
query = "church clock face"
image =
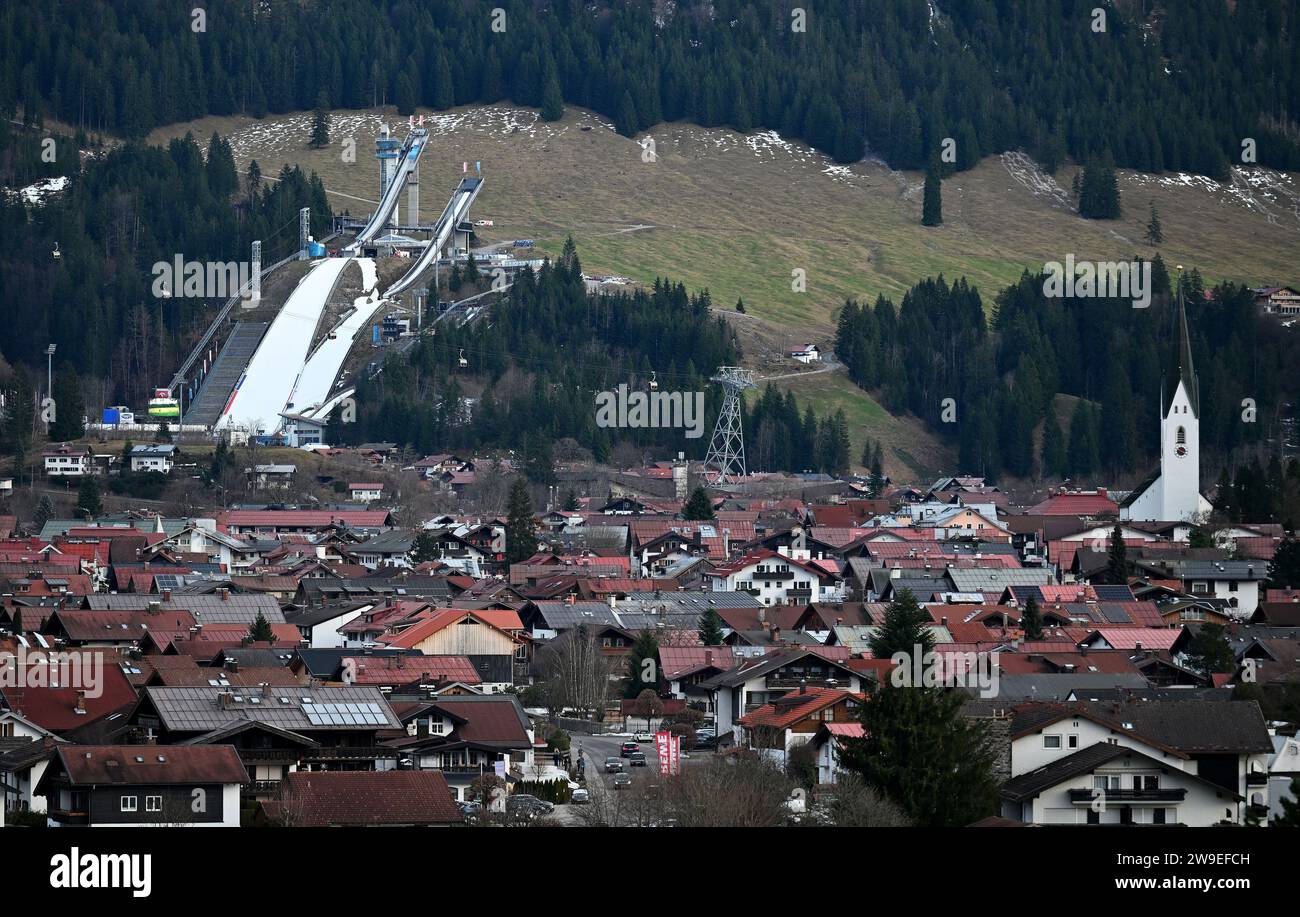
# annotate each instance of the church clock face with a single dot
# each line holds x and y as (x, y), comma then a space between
(1180, 451)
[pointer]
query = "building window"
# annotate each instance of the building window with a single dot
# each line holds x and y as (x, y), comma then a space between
(130, 804)
(1182, 437)
(1051, 741)
(1146, 782)
(1158, 816)
(1073, 741)
(153, 803)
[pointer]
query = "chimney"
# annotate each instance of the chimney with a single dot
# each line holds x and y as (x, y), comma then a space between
(708, 657)
(225, 699)
(1083, 650)
(166, 595)
(944, 620)
(803, 686)
(1139, 646)
(613, 601)
(224, 593)
(232, 665)
(569, 599)
(776, 634)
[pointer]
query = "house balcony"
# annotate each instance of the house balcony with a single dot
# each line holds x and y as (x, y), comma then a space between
(69, 818)
(260, 788)
(1086, 797)
(1256, 779)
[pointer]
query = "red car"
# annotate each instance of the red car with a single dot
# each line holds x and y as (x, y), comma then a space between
(627, 749)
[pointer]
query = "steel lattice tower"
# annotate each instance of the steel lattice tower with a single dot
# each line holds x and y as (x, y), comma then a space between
(727, 448)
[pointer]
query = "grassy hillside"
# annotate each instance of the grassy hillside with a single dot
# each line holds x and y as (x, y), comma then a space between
(738, 214)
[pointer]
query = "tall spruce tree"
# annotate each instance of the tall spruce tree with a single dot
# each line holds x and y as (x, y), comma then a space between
(711, 627)
(932, 203)
(699, 507)
(921, 751)
(1031, 620)
(1155, 233)
(521, 533)
(320, 122)
(1117, 563)
(906, 627)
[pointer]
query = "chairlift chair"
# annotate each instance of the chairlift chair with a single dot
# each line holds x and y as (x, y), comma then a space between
(654, 382)
(463, 362)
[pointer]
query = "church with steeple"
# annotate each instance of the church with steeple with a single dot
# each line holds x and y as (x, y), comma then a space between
(1173, 492)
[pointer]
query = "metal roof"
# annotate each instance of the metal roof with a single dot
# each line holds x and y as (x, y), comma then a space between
(294, 709)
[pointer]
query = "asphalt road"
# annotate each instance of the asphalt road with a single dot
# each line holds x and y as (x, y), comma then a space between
(595, 749)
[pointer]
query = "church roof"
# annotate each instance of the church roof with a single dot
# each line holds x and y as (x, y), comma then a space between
(1180, 368)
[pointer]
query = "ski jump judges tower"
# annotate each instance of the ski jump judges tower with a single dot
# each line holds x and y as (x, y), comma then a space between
(727, 448)
(388, 150)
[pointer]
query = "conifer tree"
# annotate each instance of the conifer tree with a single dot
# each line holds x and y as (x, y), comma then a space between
(521, 538)
(1155, 234)
(906, 627)
(320, 122)
(932, 206)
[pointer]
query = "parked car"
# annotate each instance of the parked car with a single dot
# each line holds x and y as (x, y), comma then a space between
(644, 737)
(613, 765)
(471, 809)
(580, 797)
(637, 758)
(628, 748)
(622, 780)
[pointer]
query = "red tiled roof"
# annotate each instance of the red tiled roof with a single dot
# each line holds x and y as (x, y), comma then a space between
(405, 670)
(151, 765)
(340, 798)
(789, 710)
(54, 708)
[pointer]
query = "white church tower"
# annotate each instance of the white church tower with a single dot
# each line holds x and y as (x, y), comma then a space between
(1173, 494)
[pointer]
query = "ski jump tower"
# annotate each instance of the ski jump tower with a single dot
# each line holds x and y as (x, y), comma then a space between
(388, 150)
(727, 448)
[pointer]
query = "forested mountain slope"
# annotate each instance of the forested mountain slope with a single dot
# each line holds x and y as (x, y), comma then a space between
(1165, 85)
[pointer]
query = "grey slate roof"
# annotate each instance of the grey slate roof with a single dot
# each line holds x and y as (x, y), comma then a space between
(296, 709)
(995, 580)
(235, 608)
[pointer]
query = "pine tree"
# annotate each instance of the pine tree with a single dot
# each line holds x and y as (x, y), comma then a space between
(552, 100)
(1031, 620)
(88, 499)
(711, 627)
(1055, 459)
(1209, 651)
(425, 548)
(320, 122)
(1117, 565)
(1155, 235)
(571, 503)
(699, 507)
(260, 630)
(1099, 191)
(906, 627)
(69, 407)
(17, 626)
(920, 751)
(626, 123)
(521, 538)
(1284, 568)
(642, 665)
(44, 510)
(932, 207)
(877, 473)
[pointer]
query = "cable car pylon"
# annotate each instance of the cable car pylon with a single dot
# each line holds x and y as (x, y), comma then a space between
(727, 448)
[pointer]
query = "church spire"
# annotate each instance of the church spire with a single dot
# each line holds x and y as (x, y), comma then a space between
(1180, 367)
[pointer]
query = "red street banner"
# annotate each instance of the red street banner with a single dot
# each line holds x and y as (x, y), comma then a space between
(669, 748)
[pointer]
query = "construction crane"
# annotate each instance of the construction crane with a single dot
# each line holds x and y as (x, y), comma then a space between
(727, 448)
